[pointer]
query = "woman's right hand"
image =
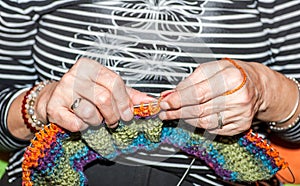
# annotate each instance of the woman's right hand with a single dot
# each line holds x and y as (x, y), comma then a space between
(104, 97)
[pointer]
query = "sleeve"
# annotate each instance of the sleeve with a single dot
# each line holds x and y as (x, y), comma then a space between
(18, 26)
(281, 21)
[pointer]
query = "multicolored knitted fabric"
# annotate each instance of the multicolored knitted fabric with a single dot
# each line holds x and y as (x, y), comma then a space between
(57, 157)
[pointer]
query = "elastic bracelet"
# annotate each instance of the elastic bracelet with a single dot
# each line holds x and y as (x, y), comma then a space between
(242, 72)
(274, 124)
(28, 112)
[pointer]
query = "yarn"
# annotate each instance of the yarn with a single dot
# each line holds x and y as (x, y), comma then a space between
(57, 157)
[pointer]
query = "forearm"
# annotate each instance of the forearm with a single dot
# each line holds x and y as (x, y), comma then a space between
(8, 142)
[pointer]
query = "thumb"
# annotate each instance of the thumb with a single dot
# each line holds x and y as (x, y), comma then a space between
(138, 97)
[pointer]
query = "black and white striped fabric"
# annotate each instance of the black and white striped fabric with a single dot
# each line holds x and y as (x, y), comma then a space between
(152, 44)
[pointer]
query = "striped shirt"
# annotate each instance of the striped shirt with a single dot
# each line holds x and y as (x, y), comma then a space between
(152, 45)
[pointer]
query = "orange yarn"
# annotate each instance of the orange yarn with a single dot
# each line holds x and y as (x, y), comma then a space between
(146, 110)
(259, 142)
(43, 140)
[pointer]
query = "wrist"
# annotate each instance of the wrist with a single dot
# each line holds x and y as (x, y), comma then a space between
(259, 83)
(30, 110)
(279, 97)
(293, 118)
(42, 101)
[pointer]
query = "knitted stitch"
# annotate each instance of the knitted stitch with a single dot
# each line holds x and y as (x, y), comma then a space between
(57, 157)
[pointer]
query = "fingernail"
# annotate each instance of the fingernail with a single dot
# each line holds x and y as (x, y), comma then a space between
(127, 114)
(164, 105)
(113, 125)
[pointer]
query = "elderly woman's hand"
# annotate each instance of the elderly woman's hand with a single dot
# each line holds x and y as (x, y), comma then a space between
(211, 97)
(100, 95)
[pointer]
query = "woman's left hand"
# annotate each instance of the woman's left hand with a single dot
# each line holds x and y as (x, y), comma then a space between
(201, 98)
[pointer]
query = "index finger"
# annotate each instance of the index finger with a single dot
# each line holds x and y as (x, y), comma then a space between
(105, 77)
(201, 92)
(202, 72)
(116, 86)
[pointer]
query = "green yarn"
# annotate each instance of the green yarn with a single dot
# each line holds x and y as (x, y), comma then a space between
(238, 158)
(63, 170)
(124, 135)
(99, 139)
(241, 161)
(153, 130)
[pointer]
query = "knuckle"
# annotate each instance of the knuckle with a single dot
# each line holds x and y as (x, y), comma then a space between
(175, 104)
(67, 79)
(87, 113)
(245, 99)
(103, 98)
(204, 121)
(175, 100)
(233, 77)
(198, 111)
(202, 88)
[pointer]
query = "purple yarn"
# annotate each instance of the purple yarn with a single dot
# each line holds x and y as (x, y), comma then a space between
(84, 160)
(201, 153)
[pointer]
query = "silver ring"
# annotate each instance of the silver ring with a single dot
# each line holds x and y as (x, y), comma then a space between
(75, 103)
(220, 122)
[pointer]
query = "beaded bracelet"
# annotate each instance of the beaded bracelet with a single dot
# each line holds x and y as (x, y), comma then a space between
(274, 124)
(242, 72)
(28, 104)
